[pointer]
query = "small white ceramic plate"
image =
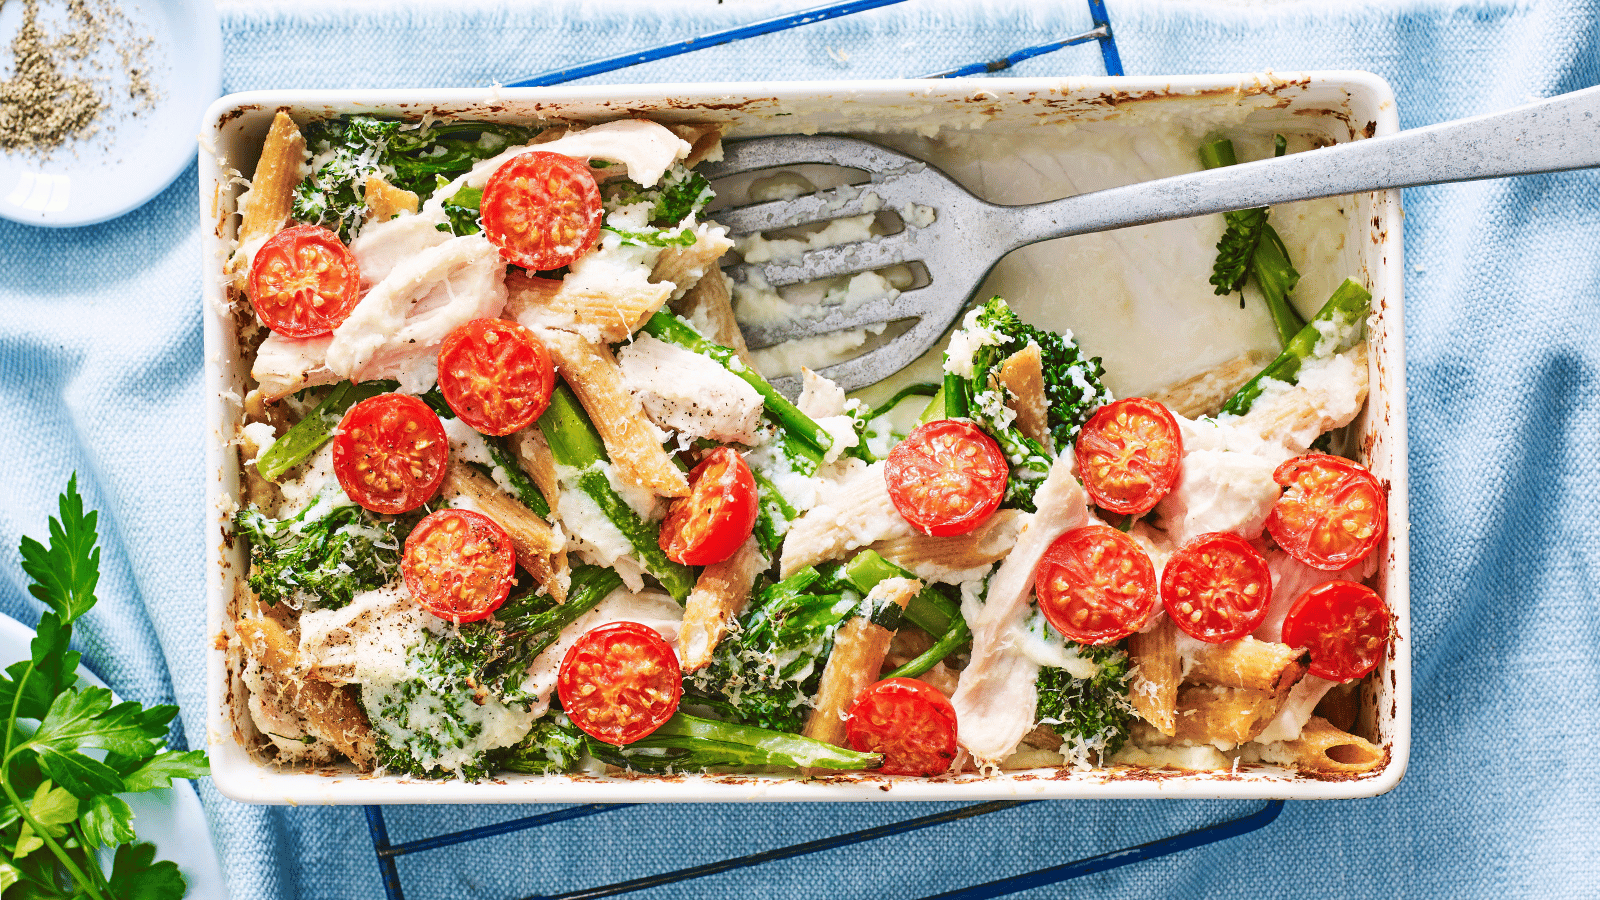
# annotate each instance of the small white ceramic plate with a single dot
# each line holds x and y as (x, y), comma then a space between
(171, 819)
(131, 158)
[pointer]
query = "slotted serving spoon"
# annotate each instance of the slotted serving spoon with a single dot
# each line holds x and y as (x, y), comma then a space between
(968, 236)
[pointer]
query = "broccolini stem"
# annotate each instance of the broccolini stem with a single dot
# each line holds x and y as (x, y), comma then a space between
(575, 443)
(929, 610)
(748, 745)
(955, 397)
(1269, 260)
(774, 514)
(317, 427)
(527, 491)
(667, 327)
(1347, 306)
(590, 585)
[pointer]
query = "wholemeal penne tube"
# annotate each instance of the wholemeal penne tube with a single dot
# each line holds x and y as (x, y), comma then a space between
(1220, 715)
(685, 267)
(858, 651)
(1247, 663)
(272, 187)
(1326, 750)
(705, 142)
(631, 440)
(984, 545)
(709, 308)
(325, 711)
(385, 201)
(1154, 688)
(1022, 375)
(533, 454)
(609, 312)
(1204, 394)
(719, 594)
(539, 549)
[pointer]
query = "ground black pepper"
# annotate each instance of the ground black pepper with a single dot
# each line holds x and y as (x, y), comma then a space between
(62, 86)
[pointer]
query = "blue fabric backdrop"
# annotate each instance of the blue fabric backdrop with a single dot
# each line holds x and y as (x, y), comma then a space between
(100, 359)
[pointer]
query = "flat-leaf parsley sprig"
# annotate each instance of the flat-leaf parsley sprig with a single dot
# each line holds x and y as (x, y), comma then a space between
(56, 796)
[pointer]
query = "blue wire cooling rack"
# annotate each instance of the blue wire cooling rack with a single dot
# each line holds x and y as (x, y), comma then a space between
(388, 853)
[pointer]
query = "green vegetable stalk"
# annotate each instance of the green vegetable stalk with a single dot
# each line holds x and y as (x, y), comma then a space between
(690, 743)
(576, 445)
(317, 427)
(60, 803)
(931, 609)
(1343, 312)
(665, 326)
(1251, 247)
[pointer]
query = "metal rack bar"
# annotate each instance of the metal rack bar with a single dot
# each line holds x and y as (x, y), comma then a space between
(1199, 837)
(387, 852)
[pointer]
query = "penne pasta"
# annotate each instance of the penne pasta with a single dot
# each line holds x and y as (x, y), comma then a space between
(1154, 686)
(385, 201)
(540, 549)
(1325, 750)
(631, 440)
(705, 142)
(272, 186)
(609, 313)
(324, 711)
(1220, 715)
(1204, 394)
(709, 308)
(1247, 663)
(857, 658)
(1022, 375)
(685, 267)
(930, 557)
(533, 455)
(719, 595)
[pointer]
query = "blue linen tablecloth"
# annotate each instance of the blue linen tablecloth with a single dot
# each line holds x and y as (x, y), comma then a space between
(100, 371)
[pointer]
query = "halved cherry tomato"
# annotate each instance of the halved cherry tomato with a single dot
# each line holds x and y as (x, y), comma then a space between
(1216, 587)
(542, 210)
(707, 526)
(459, 564)
(1129, 454)
(304, 281)
(909, 722)
(946, 477)
(620, 682)
(1333, 513)
(1096, 585)
(390, 454)
(496, 375)
(1344, 624)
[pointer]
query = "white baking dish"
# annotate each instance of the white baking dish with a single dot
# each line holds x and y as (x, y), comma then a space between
(1336, 106)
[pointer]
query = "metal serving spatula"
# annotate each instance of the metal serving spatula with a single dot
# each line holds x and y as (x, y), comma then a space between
(968, 236)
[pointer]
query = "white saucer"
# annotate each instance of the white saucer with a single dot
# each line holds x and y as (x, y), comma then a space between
(172, 819)
(131, 158)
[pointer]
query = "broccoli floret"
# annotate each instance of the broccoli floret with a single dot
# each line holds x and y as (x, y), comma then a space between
(349, 149)
(681, 194)
(989, 335)
(1090, 714)
(554, 744)
(322, 556)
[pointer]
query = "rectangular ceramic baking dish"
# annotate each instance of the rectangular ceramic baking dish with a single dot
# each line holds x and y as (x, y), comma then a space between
(1328, 106)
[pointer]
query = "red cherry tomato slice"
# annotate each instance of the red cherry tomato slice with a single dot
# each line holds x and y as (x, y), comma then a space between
(946, 477)
(909, 722)
(459, 564)
(1129, 454)
(496, 375)
(1332, 514)
(1216, 587)
(390, 454)
(542, 210)
(1096, 585)
(1344, 624)
(620, 682)
(707, 526)
(304, 282)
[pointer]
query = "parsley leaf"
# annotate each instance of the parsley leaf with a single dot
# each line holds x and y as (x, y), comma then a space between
(65, 573)
(71, 805)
